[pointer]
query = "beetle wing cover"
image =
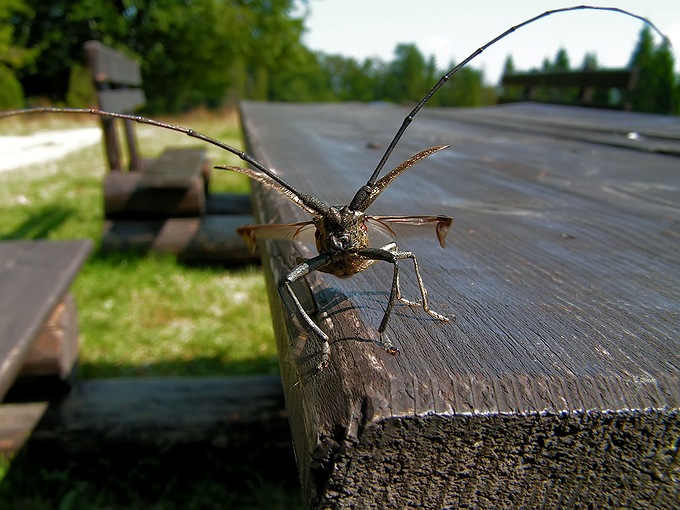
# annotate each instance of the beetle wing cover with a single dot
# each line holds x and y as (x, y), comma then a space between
(302, 231)
(268, 181)
(402, 226)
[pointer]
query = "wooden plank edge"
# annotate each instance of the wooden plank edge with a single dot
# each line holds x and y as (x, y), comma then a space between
(230, 413)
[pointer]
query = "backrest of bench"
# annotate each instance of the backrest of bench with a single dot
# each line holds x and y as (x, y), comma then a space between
(586, 81)
(118, 81)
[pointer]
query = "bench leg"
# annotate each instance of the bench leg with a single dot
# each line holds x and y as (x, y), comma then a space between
(55, 351)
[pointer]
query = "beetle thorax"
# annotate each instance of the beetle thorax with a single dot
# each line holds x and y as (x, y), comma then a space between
(340, 229)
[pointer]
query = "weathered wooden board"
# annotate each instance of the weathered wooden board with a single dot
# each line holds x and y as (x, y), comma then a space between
(117, 79)
(585, 82)
(113, 67)
(172, 186)
(34, 278)
(210, 239)
(158, 414)
(643, 132)
(558, 384)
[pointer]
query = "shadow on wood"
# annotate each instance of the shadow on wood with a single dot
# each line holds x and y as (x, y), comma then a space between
(213, 440)
(245, 417)
(206, 240)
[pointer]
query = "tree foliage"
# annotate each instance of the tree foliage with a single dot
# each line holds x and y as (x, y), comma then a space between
(407, 77)
(212, 52)
(13, 57)
(656, 90)
(191, 51)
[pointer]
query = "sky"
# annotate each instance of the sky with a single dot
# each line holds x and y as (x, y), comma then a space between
(451, 30)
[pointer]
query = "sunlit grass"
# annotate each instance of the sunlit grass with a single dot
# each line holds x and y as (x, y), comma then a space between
(142, 315)
(172, 320)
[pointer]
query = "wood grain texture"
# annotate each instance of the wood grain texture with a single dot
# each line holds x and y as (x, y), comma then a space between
(558, 384)
(34, 278)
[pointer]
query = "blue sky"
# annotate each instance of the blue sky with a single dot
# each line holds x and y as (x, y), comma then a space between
(450, 30)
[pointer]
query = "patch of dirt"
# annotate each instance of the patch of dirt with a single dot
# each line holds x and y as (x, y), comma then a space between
(43, 146)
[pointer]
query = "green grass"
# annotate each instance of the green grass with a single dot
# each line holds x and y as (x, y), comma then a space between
(140, 316)
(144, 316)
(152, 482)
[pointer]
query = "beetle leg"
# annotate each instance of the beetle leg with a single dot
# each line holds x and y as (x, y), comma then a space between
(386, 254)
(392, 248)
(296, 273)
(423, 290)
(393, 256)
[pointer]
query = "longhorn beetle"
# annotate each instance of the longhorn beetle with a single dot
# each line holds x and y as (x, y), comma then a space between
(343, 232)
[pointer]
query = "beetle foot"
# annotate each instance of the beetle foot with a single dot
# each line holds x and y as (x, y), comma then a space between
(431, 312)
(438, 315)
(387, 344)
(325, 354)
(409, 302)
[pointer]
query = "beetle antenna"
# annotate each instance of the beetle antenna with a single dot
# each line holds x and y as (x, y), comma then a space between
(445, 78)
(310, 201)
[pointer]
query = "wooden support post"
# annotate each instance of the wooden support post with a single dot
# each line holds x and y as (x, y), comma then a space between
(55, 352)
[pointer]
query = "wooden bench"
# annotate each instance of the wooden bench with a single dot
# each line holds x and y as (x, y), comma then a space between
(173, 185)
(559, 384)
(586, 83)
(38, 324)
(160, 204)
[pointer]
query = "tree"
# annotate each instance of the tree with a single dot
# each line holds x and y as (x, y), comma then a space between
(509, 65)
(601, 97)
(55, 30)
(561, 62)
(305, 81)
(665, 90)
(12, 57)
(406, 76)
(553, 94)
(589, 62)
(274, 44)
(510, 92)
(191, 52)
(364, 79)
(187, 48)
(655, 88)
(349, 79)
(465, 88)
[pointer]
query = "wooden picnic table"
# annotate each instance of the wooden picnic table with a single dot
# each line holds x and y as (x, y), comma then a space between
(559, 382)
